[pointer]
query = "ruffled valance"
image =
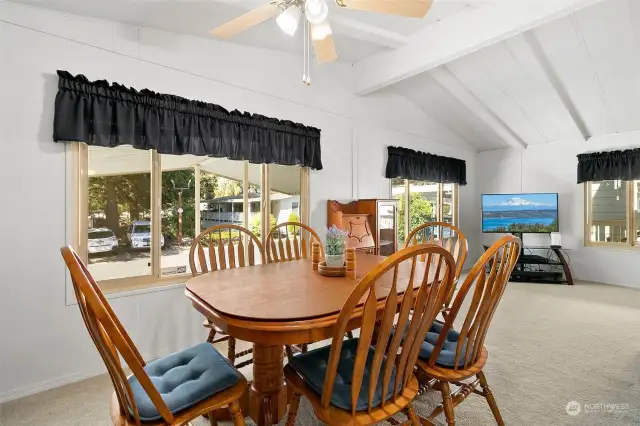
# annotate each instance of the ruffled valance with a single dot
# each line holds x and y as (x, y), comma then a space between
(609, 165)
(110, 115)
(409, 164)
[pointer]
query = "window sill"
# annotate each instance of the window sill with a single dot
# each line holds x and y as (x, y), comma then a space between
(613, 246)
(113, 289)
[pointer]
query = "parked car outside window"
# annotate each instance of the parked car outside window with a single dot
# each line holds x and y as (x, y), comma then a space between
(101, 240)
(139, 235)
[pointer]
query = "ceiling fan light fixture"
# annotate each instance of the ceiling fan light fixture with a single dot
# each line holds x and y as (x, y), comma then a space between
(289, 19)
(320, 31)
(316, 11)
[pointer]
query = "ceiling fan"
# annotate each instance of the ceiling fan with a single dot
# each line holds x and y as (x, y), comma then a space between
(290, 12)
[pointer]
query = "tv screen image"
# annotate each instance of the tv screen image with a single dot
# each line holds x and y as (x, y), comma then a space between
(530, 213)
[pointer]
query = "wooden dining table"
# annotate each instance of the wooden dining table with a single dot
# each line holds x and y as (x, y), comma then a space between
(279, 304)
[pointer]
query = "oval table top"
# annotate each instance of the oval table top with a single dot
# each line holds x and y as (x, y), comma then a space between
(288, 291)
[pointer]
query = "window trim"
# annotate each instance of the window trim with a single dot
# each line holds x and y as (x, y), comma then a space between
(80, 196)
(629, 220)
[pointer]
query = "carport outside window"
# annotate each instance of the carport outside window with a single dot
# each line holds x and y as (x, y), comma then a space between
(144, 209)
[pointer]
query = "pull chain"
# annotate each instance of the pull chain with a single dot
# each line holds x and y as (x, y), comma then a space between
(304, 54)
(308, 53)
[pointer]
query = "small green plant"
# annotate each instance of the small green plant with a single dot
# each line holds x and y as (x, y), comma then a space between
(255, 222)
(293, 217)
(335, 240)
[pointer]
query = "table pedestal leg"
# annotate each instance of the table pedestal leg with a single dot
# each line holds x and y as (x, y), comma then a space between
(267, 394)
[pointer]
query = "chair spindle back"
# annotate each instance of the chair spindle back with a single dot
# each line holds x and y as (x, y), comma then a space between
(445, 235)
(488, 287)
(291, 241)
(111, 340)
(390, 352)
(224, 246)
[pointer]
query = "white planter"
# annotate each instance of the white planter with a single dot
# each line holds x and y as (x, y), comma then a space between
(334, 260)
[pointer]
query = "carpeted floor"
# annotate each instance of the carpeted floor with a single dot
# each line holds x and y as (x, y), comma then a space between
(548, 345)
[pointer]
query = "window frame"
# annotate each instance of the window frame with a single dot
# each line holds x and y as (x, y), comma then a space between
(630, 222)
(439, 202)
(79, 237)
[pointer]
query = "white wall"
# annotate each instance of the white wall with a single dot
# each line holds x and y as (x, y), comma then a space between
(553, 168)
(44, 343)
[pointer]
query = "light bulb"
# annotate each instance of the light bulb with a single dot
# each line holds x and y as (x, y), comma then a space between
(289, 19)
(320, 31)
(316, 11)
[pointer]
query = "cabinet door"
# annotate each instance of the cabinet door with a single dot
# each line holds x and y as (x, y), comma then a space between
(387, 221)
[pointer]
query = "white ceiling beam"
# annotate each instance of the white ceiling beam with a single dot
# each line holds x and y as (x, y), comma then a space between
(370, 33)
(527, 49)
(443, 76)
(457, 36)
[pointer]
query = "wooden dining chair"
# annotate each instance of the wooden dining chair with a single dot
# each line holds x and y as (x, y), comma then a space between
(291, 241)
(450, 356)
(172, 390)
(221, 247)
(287, 242)
(368, 379)
(445, 235)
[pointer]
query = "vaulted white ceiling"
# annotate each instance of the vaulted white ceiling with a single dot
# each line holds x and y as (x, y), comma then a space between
(496, 73)
(572, 78)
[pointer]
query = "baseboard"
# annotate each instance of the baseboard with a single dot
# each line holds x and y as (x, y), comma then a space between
(61, 381)
(48, 385)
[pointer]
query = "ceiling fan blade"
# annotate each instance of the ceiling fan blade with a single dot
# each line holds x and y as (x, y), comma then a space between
(248, 20)
(322, 41)
(410, 8)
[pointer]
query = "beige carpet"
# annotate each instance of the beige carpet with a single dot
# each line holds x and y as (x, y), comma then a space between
(548, 345)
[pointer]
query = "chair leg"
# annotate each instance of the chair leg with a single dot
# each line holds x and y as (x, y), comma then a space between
(413, 417)
(288, 352)
(350, 334)
(236, 414)
(231, 354)
(490, 399)
(447, 404)
(213, 421)
(212, 335)
(293, 409)
(305, 348)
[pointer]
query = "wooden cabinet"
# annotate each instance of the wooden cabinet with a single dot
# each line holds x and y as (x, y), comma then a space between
(371, 225)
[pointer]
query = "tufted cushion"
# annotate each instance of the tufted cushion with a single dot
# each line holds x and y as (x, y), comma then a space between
(183, 379)
(312, 366)
(447, 355)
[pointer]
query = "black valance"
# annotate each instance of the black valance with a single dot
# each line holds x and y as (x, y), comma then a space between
(610, 165)
(409, 164)
(109, 115)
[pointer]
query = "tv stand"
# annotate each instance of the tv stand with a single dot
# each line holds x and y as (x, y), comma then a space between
(529, 266)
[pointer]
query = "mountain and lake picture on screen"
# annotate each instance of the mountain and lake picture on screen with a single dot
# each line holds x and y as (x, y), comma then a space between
(531, 213)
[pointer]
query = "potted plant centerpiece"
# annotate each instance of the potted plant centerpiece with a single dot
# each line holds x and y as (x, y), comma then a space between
(335, 246)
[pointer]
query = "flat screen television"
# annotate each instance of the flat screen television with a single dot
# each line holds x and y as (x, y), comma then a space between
(527, 213)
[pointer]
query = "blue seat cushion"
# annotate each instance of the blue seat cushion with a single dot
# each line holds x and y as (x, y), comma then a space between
(183, 379)
(447, 355)
(312, 366)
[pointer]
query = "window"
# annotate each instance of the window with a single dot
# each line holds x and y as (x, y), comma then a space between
(285, 193)
(612, 210)
(428, 202)
(118, 213)
(138, 211)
